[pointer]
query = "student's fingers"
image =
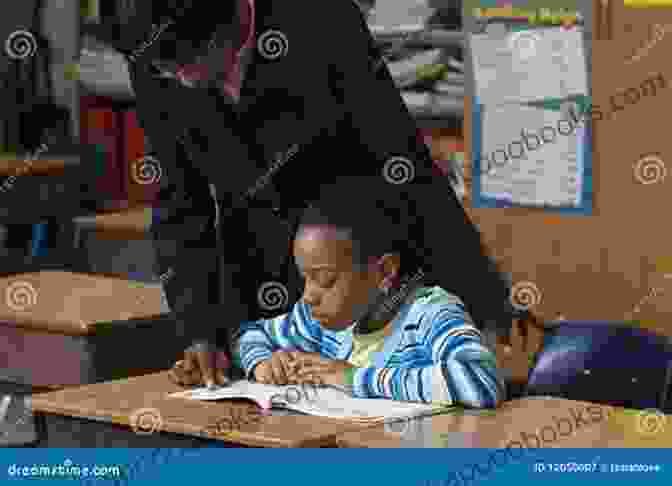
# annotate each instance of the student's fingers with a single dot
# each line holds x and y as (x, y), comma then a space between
(263, 372)
(307, 373)
(279, 375)
(297, 355)
(312, 359)
(288, 362)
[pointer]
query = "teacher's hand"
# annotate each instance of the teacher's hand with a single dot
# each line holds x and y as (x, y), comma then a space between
(202, 365)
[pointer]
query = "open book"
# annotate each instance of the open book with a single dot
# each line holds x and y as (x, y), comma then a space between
(321, 401)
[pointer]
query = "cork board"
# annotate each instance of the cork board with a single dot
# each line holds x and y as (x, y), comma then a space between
(603, 266)
(635, 26)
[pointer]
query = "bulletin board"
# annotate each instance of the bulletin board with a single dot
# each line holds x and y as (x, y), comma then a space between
(610, 265)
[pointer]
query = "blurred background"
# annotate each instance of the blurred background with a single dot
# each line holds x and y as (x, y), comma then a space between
(72, 94)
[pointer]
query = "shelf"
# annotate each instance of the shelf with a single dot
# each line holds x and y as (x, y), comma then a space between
(423, 38)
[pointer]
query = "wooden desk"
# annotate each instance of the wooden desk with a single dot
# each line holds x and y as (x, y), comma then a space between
(74, 303)
(100, 416)
(600, 427)
(61, 328)
(127, 224)
(15, 166)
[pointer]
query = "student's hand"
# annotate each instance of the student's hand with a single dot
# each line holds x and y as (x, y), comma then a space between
(201, 366)
(313, 367)
(277, 370)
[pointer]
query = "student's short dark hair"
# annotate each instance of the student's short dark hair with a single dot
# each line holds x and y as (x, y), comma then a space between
(372, 213)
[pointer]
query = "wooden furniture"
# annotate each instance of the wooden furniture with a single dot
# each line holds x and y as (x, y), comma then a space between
(126, 224)
(533, 422)
(118, 243)
(15, 166)
(100, 415)
(60, 329)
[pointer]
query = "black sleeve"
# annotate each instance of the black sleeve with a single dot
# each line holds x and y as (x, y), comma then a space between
(195, 143)
(172, 114)
(450, 244)
(369, 94)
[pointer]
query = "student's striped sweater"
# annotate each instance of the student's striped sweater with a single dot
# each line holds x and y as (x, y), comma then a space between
(434, 353)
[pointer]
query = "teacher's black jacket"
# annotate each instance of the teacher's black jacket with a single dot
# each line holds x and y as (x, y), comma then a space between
(316, 105)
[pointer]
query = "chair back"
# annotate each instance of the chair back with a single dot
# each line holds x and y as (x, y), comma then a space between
(604, 362)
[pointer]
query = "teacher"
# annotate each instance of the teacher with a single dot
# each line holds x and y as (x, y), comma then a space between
(251, 110)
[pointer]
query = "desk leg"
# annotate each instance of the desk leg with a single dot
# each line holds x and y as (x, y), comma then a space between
(42, 439)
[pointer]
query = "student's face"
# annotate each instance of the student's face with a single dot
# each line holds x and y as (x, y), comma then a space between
(337, 290)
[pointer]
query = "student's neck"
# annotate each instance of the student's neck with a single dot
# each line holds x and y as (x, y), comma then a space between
(384, 313)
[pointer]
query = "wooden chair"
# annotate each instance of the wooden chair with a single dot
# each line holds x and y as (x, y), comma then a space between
(614, 363)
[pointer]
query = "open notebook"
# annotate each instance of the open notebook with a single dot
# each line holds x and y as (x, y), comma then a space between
(320, 401)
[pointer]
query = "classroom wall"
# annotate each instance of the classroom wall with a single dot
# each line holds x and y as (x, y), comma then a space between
(605, 265)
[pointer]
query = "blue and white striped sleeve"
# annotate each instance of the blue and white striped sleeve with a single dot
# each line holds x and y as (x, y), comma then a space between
(463, 371)
(294, 331)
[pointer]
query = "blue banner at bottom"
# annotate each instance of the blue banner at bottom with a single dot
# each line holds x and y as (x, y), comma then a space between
(337, 467)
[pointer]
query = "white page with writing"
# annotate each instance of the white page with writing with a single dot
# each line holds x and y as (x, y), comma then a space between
(528, 65)
(548, 176)
(321, 401)
(260, 393)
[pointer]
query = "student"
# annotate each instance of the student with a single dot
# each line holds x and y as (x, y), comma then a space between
(367, 319)
(269, 106)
